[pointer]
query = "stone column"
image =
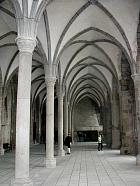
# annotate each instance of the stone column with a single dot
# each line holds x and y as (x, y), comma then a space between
(50, 160)
(1, 136)
(1, 142)
(72, 126)
(69, 120)
(108, 124)
(115, 120)
(65, 118)
(136, 78)
(60, 126)
(26, 47)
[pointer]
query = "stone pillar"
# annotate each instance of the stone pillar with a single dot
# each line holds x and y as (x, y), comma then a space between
(72, 126)
(126, 108)
(115, 138)
(136, 78)
(1, 136)
(115, 120)
(50, 160)
(127, 123)
(1, 142)
(108, 124)
(26, 47)
(60, 126)
(69, 120)
(65, 118)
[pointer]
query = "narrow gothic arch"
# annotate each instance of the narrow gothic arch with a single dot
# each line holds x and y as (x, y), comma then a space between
(75, 63)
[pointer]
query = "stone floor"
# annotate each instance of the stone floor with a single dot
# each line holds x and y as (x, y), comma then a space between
(84, 167)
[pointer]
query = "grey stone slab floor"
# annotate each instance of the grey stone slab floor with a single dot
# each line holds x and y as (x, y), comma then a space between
(84, 167)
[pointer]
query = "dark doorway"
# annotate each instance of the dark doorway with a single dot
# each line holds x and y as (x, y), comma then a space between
(87, 136)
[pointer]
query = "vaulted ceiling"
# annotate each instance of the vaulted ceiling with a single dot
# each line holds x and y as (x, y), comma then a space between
(83, 39)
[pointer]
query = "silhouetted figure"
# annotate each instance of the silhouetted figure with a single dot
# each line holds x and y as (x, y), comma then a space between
(67, 142)
(100, 143)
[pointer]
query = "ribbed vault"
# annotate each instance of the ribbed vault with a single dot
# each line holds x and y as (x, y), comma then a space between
(80, 42)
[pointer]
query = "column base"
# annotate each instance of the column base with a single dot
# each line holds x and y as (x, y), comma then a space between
(50, 163)
(124, 151)
(61, 152)
(138, 159)
(22, 182)
(1, 151)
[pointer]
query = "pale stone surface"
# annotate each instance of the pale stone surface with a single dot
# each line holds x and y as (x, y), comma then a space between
(1, 151)
(26, 47)
(50, 163)
(61, 152)
(50, 160)
(84, 166)
(26, 44)
(107, 23)
(60, 126)
(22, 182)
(1, 142)
(65, 118)
(69, 120)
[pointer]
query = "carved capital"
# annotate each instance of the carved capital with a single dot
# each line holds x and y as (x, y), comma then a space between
(60, 94)
(50, 81)
(60, 97)
(26, 44)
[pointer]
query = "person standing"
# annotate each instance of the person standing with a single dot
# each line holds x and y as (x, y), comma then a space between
(67, 142)
(100, 144)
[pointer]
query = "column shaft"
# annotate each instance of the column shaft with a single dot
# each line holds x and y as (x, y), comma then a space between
(26, 47)
(23, 115)
(1, 136)
(1, 142)
(136, 79)
(60, 126)
(115, 121)
(69, 120)
(50, 160)
(65, 119)
(137, 97)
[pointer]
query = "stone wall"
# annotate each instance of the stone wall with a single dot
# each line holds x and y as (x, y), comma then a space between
(115, 117)
(85, 115)
(127, 110)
